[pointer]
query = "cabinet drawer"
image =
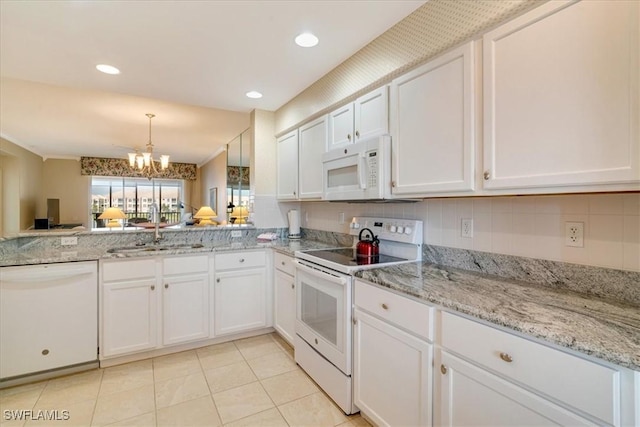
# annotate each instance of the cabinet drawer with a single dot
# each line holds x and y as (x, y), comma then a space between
(129, 269)
(582, 384)
(185, 264)
(401, 311)
(234, 260)
(284, 263)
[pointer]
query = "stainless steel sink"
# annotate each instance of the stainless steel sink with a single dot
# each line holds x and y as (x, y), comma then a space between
(152, 248)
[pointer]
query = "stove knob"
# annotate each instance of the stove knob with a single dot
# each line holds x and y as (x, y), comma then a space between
(407, 230)
(400, 229)
(392, 228)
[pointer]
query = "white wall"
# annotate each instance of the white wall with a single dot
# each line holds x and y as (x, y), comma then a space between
(529, 226)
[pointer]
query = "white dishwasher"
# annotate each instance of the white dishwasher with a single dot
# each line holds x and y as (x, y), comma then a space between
(48, 317)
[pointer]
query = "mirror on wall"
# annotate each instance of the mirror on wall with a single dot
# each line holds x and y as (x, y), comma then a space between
(238, 159)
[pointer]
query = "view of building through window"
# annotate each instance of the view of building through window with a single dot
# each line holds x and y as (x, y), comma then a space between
(135, 197)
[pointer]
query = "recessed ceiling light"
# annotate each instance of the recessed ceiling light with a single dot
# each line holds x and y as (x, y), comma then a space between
(107, 69)
(306, 40)
(253, 94)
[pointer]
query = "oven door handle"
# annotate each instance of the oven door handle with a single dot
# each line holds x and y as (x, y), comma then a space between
(324, 276)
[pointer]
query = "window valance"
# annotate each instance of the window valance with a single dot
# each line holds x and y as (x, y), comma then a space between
(104, 166)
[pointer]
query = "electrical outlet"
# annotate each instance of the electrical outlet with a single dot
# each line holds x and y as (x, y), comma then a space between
(236, 233)
(69, 241)
(466, 227)
(574, 234)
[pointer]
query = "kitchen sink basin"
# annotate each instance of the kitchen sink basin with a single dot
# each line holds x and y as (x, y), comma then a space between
(152, 248)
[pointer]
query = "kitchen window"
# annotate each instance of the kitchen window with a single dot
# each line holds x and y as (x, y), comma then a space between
(135, 197)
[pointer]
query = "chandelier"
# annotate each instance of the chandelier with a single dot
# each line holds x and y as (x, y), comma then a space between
(144, 162)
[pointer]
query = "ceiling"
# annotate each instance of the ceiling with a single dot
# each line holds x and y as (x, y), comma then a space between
(188, 62)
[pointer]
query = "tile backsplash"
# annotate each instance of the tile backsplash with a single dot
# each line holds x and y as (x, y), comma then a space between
(529, 226)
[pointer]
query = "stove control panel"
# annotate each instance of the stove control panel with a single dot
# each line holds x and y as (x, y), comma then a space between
(392, 229)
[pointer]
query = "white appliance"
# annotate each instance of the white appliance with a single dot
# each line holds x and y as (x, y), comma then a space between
(324, 296)
(360, 171)
(48, 317)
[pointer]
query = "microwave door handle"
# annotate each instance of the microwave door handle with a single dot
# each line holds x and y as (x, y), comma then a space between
(324, 276)
(362, 171)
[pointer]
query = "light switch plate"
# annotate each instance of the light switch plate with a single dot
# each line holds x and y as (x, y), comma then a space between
(236, 233)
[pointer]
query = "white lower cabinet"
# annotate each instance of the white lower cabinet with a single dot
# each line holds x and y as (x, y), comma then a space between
(129, 317)
(185, 299)
(469, 395)
(392, 371)
(392, 365)
(129, 306)
(147, 300)
(242, 292)
(284, 313)
(492, 377)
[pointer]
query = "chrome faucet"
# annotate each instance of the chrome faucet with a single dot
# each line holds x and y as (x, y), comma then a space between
(155, 218)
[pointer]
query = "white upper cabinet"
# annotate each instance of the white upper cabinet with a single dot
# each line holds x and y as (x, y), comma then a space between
(561, 98)
(432, 126)
(287, 167)
(313, 140)
(364, 118)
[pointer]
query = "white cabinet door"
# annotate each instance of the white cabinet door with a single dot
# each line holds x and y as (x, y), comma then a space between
(240, 300)
(371, 114)
(468, 395)
(285, 305)
(185, 308)
(313, 140)
(287, 167)
(392, 373)
(432, 126)
(366, 117)
(340, 127)
(561, 97)
(129, 316)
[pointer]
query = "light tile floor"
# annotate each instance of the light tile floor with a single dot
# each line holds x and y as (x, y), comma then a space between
(249, 382)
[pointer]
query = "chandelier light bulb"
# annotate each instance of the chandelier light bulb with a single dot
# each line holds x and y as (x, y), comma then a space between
(144, 161)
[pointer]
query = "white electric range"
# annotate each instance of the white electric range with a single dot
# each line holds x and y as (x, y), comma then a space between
(324, 295)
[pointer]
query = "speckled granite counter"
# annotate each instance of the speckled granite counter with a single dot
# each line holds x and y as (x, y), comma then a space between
(49, 255)
(605, 329)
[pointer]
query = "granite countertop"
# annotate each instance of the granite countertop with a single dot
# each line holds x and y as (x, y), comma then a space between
(605, 329)
(38, 255)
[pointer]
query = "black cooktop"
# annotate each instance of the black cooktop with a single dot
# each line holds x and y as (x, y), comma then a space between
(347, 256)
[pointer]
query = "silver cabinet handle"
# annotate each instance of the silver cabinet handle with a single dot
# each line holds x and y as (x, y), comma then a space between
(316, 341)
(349, 136)
(486, 175)
(506, 357)
(45, 351)
(355, 321)
(218, 280)
(153, 287)
(385, 306)
(283, 262)
(357, 134)
(443, 369)
(241, 259)
(393, 184)
(166, 286)
(293, 286)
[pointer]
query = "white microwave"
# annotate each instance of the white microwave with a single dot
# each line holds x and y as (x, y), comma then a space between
(360, 171)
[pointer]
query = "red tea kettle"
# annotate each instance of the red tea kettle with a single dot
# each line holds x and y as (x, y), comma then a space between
(369, 247)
